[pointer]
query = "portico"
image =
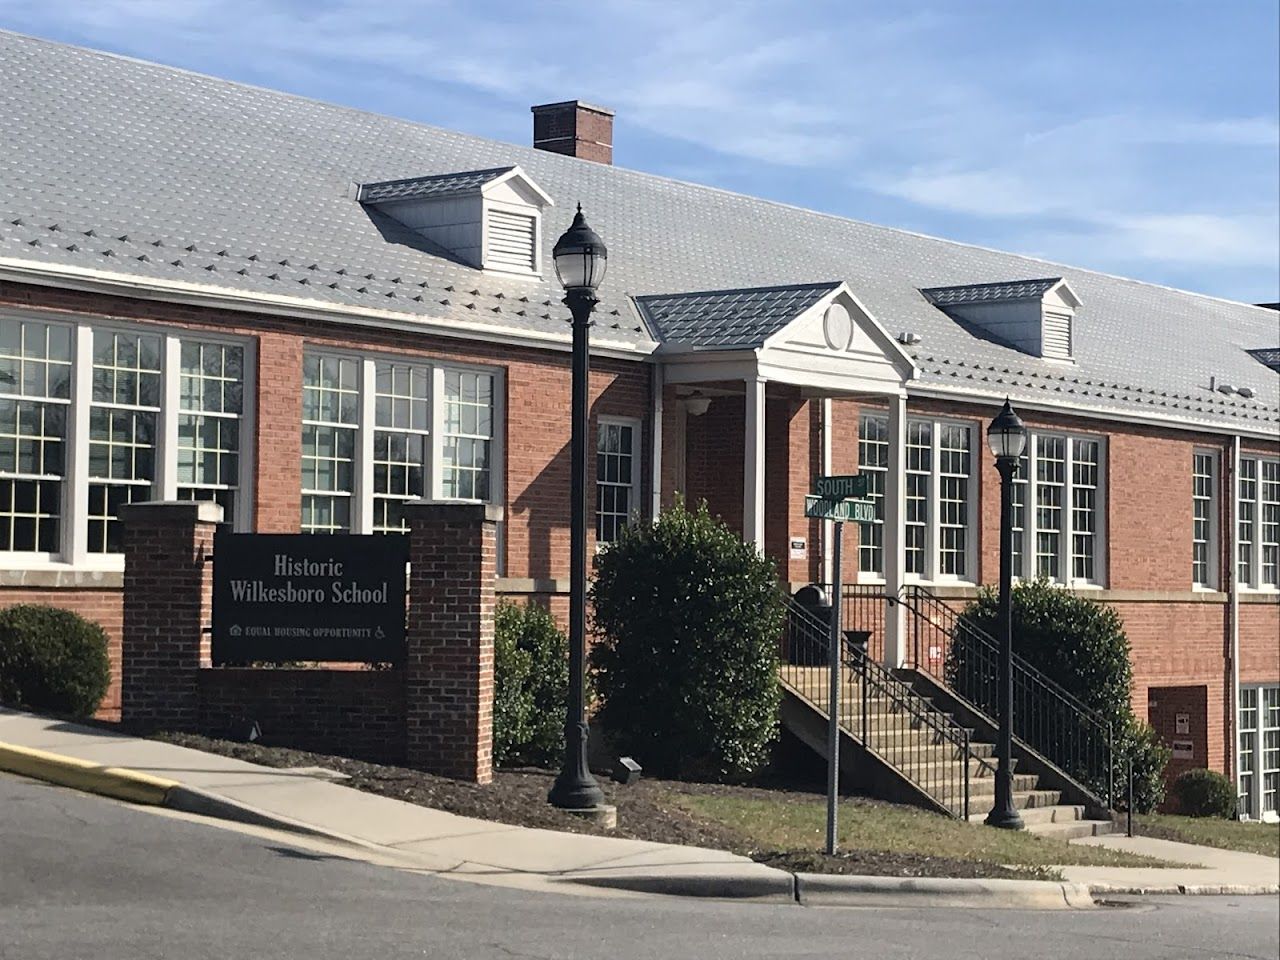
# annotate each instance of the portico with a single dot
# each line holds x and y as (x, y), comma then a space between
(761, 395)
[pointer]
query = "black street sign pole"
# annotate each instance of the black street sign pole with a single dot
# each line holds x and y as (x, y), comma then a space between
(833, 695)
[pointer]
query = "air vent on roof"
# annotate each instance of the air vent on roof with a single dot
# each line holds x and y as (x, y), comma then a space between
(1034, 316)
(509, 240)
(490, 219)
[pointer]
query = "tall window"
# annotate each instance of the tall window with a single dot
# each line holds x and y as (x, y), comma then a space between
(468, 434)
(1203, 519)
(1258, 561)
(400, 442)
(210, 404)
(1259, 753)
(1057, 508)
(873, 461)
(939, 515)
(617, 473)
(123, 418)
(330, 416)
(35, 397)
(379, 433)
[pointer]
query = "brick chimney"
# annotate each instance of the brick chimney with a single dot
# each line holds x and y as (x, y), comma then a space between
(574, 128)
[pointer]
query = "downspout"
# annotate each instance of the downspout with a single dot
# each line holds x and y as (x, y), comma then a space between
(1233, 611)
(655, 443)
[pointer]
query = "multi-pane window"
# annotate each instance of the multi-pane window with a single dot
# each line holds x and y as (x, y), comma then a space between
(1057, 509)
(211, 406)
(1258, 759)
(468, 435)
(330, 417)
(400, 442)
(35, 398)
(124, 415)
(1258, 523)
(873, 462)
(919, 472)
(1203, 520)
(939, 510)
(616, 477)
(380, 433)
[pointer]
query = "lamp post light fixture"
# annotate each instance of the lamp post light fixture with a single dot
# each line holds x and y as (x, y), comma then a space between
(1007, 439)
(580, 259)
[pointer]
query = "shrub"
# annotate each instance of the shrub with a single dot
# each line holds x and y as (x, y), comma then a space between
(531, 686)
(1205, 793)
(1081, 645)
(52, 660)
(686, 663)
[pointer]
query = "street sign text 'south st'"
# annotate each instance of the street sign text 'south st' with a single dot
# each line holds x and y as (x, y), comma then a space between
(842, 487)
(845, 511)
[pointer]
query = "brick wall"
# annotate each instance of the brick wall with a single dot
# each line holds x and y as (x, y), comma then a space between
(351, 713)
(1164, 705)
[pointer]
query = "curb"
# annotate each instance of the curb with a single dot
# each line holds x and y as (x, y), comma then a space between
(121, 783)
(779, 886)
(1182, 889)
(816, 889)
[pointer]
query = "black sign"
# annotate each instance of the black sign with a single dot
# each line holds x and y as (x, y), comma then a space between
(288, 596)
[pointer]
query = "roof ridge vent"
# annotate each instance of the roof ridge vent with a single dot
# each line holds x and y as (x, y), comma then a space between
(1034, 316)
(491, 219)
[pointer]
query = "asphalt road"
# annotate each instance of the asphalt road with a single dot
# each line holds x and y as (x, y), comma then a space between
(84, 877)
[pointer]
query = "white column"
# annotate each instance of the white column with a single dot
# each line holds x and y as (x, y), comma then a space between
(655, 444)
(166, 483)
(75, 509)
(753, 465)
(828, 527)
(362, 488)
(895, 533)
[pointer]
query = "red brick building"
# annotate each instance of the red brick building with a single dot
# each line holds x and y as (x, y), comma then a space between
(314, 316)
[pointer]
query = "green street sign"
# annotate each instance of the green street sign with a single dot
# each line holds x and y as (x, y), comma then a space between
(844, 511)
(842, 488)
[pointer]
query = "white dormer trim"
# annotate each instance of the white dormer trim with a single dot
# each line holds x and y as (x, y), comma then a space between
(474, 215)
(1040, 322)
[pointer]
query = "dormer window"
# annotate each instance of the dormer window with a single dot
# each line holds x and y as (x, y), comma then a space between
(1034, 316)
(491, 219)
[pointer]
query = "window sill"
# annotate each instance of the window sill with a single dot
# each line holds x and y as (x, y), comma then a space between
(53, 574)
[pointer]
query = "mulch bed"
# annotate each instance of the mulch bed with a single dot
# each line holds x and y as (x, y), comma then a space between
(648, 809)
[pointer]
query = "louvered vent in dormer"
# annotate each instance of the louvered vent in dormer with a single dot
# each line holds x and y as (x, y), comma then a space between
(491, 219)
(1034, 316)
(509, 240)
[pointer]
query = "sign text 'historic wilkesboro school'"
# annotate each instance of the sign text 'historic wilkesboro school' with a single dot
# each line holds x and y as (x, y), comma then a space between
(291, 597)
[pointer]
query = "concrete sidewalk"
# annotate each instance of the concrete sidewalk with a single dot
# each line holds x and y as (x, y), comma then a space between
(1220, 871)
(420, 837)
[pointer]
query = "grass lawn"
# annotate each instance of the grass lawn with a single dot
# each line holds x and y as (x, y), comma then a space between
(1247, 837)
(798, 823)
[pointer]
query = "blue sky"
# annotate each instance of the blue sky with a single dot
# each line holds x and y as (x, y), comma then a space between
(1139, 138)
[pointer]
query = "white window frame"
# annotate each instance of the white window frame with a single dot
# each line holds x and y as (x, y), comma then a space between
(362, 496)
(1210, 581)
(933, 525)
(1254, 583)
(1258, 770)
(1067, 531)
(637, 459)
(74, 546)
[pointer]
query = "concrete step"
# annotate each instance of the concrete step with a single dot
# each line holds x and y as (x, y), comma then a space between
(980, 806)
(1059, 813)
(1071, 829)
(982, 790)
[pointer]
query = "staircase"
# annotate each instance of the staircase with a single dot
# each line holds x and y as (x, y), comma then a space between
(897, 742)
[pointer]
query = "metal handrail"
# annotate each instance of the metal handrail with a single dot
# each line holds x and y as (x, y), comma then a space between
(1051, 720)
(905, 734)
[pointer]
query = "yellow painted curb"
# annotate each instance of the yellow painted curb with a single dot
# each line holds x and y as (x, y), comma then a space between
(85, 775)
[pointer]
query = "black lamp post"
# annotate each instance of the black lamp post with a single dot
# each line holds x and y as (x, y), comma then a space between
(580, 259)
(1007, 438)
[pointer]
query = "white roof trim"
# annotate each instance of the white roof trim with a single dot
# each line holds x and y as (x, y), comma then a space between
(516, 173)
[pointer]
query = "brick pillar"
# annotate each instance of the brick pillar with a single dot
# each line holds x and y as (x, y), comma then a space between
(168, 586)
(449, 640)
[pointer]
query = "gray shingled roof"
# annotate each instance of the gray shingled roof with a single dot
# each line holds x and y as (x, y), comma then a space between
(158, 174)
(728, 318)
(437, 187)
(989, 292)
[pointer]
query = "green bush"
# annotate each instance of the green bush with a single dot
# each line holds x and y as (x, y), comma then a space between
(1080, 644)
(686, 662)
(531, 684)
(52, 660)
(1205, 793)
